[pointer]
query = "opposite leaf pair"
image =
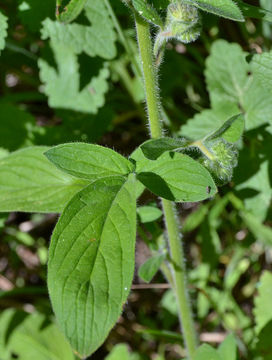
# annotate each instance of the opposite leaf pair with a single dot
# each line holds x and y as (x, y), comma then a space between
(91, 257)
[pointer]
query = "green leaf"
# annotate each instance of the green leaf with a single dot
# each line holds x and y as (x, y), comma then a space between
(208, 121)
(225, 8)
(227, 73)
(147, 12)
(149, 269)
(176, 177)
(154, 148)
(26, 336)
(64, 91)
(262, 309)
(62, 85)
(119, 352)
(231, 130)
(255, 12)
(262, 69)
(148, 213)
(96, 39)
(3, 30)
(228, 348)
(29, 182)
(70, 11)
(206, 352)
(91, 261)
(233, 87)
(88, 161)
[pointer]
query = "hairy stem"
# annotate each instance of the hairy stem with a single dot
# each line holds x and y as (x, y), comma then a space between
(169, 208)
(150, 77)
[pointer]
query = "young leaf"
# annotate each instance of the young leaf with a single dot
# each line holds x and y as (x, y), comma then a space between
(88, 161)
(206, 352)
(149, 269)
(231, 130)
(29, 182)
(31, 336)
(91, 261)
(225, 8)
(70, 11)
(3, 30)
(228, 348)
(177, 177)
(154, 148)
(148, 213)
(262, 309)
(147, 12)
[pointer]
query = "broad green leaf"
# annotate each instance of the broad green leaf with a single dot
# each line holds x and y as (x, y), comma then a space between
(91, 261)
(29, 182)
(3, 30)
(68, 12)
(228, 348)
(154, 148)
(119, 352)
(31, 336)
(227, 73)
(231, 130)
(33, 12)
(62, 85)
(64, 90)
(225, 8)
(262, 301)
(88, 161)
(177, 177)
(147, 12)
(233, 87)
(206, 352)
(96, 39)
(148, 213)
(254, 11)
(149, 269)
(230, 81)
(262, 69)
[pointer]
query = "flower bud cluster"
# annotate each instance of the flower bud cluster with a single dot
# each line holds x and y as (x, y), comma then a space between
(220, 159)
(182, 23)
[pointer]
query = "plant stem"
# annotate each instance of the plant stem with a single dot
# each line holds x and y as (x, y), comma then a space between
(150, 77)
(169, 208)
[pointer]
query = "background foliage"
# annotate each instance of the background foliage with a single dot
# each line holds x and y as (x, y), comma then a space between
(57, 88)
